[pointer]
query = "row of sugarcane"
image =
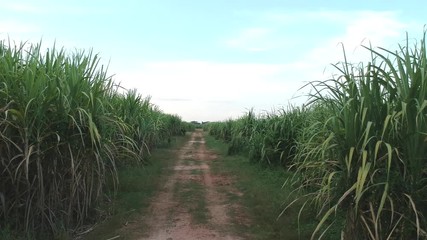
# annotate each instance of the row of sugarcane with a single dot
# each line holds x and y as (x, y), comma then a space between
(65, 128)
(358, 148)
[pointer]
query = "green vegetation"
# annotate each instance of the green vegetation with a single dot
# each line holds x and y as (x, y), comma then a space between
(355, 155)
(268, 139)
(358, 150)
(65, 129)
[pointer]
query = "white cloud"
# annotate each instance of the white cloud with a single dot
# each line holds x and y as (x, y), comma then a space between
(296, 17)
(254, 39)
(382, 29)
(220, 80)
(213, 90)
(305, 29)
(15, 26)
(377, 27)
(350, 28)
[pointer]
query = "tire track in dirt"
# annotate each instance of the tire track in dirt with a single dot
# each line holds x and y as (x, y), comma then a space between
(171, 216)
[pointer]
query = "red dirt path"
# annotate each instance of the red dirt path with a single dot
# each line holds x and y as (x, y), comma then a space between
(169, 217)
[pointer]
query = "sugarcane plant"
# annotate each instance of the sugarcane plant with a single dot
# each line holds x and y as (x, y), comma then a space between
(64, 129)
(368, 160)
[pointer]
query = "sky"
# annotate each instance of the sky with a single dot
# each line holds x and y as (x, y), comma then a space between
(212, 60)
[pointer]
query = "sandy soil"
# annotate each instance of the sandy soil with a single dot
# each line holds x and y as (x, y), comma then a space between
(170, 216)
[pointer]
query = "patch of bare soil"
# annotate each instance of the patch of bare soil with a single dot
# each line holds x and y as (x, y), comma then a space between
(171, 216)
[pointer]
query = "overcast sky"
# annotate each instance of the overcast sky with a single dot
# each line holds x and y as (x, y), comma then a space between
(212, 60)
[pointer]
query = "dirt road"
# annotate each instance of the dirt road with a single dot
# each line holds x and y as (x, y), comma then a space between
(193, 203)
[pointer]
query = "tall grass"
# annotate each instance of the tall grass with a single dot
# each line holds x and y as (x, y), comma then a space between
(359, 148)
(64, 128)
(269, 138)
(369, 158)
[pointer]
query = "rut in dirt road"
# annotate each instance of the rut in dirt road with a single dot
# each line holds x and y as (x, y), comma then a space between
(190, 204)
